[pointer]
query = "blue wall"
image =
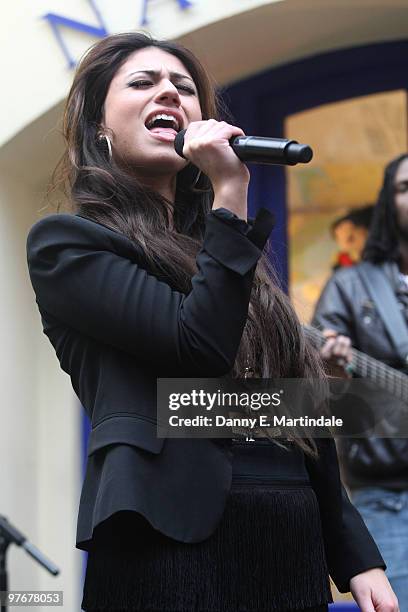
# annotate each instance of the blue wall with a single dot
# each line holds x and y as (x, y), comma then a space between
(261, 102)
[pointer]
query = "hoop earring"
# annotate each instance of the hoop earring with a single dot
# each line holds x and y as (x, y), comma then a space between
(105, 137)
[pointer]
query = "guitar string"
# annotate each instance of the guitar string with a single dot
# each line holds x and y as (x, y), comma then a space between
(392, 379)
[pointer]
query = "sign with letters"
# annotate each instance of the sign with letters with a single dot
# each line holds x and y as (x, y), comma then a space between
(100, 29)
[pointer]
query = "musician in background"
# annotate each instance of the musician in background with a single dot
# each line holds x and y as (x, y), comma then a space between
(350, 233)
(375, 469)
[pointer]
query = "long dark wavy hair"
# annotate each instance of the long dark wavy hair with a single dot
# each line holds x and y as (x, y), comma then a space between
(273, 342)
(383, 239)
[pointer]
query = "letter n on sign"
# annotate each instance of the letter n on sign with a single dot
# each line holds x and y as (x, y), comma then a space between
(58, 21)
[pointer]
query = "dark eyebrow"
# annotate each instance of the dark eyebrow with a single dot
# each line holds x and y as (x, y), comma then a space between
(156, 73)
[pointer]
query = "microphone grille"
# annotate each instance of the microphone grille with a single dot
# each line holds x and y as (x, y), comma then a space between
(179, 142)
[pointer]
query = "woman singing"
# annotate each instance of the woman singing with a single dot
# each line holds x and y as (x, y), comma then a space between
(156, 274)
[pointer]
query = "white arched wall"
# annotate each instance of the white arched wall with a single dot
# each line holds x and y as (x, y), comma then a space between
(40, 417)
(234, 38)
(40, 425)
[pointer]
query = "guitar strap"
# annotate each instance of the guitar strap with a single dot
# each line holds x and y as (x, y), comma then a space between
(381, 293)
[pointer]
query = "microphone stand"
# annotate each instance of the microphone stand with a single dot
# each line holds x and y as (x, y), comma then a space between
(9, 534)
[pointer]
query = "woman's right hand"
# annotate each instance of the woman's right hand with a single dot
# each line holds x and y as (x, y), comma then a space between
(206, 145)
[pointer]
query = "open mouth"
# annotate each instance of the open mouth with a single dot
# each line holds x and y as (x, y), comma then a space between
(163, 123)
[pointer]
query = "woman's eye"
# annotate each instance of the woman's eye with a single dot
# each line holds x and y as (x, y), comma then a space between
(186, 88)
(144, 83)
(140, 83)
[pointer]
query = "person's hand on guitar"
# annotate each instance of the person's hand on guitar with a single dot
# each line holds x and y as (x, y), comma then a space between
(336, 353)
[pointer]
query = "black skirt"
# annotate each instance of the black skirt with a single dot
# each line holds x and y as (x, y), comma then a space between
(267, 553)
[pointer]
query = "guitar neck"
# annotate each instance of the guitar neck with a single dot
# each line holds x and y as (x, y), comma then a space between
(386, 377)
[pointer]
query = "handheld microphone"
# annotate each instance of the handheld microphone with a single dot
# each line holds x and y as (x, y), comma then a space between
(260, 150)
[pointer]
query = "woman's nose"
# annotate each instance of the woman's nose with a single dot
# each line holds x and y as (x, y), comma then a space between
(168, 92)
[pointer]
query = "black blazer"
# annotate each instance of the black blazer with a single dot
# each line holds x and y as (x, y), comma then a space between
(115, 328)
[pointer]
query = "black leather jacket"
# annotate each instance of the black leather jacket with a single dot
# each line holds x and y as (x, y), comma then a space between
(346, 307)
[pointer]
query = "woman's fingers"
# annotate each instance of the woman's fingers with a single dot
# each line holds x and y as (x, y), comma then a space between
(209, 136)
(373, 593)
(198, 129)
(206, 144)
(364, 602)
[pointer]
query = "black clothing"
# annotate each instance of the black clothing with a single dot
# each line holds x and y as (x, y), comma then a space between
(267, 553)
(115, 329)
(346, 307)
